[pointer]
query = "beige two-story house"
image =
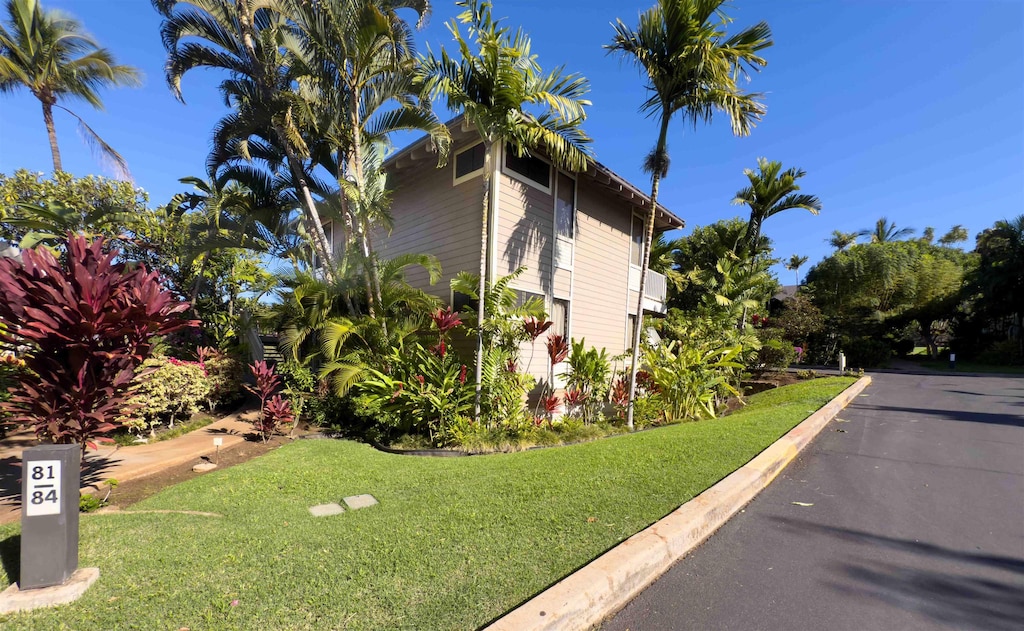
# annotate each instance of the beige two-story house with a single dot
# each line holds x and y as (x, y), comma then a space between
(579, 235)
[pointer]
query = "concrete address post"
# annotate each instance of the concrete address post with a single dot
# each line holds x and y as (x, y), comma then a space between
(49, 515)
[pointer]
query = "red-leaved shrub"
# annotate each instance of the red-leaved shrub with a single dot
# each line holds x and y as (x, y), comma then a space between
(274, 410)
(85, 325)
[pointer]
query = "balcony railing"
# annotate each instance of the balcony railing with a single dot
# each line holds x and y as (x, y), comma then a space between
(654, 290)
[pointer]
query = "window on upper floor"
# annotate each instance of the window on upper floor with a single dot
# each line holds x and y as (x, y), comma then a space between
(529, 169)
(565, 207)
(565, 220)
(636, 241)
(469, 162)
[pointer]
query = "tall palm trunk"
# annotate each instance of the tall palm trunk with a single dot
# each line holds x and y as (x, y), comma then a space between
(347, 232)
(645, 262)
(52, 133)
(484, 251)
(362, 223)
(320, 245)
(313, 223)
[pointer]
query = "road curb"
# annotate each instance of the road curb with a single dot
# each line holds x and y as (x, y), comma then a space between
(605, 585)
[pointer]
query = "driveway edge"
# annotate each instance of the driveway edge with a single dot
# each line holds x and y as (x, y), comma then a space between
(591, 594)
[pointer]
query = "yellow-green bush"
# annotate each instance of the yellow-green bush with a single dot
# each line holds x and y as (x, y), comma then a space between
(165, 390)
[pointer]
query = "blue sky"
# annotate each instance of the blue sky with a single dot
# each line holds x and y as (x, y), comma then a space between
(913, 110)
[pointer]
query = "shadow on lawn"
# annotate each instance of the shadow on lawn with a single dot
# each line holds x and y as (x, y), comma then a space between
(10, 556)
(977, 591)
(94, 473)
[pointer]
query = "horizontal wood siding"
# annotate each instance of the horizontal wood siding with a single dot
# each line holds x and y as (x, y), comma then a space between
(431, 216)
(563, 281)
(601, 268)
(525, 225)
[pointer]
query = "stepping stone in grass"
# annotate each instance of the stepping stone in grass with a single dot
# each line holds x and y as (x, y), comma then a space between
(326, 510)
(355, 502)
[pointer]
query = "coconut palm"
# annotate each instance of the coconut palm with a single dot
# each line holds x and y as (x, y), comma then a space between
(771, 192)
(49, 52)
(842, 240)
(249, 39)
(499, 86)
(885, 231)
(692, 68)
(794, 264)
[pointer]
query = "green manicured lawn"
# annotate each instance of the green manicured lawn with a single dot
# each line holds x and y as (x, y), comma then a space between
(454, 543)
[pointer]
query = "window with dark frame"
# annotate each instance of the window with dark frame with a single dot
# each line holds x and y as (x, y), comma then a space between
(530, 167)
(460, 301)
(565, 207)
(469, 160)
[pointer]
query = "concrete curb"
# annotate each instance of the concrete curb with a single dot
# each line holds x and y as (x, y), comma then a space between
(591, 594)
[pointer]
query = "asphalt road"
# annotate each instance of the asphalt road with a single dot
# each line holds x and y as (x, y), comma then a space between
(917, 522)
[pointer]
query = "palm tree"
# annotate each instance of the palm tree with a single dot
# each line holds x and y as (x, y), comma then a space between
(842, 240)
(771, 192)
(794, 264)
(249, 40)
(499, 86)
(692, 68)
(928, 235)
(885, 232)
(233, 215)
(956, 234)
(49, 53)
(356, 57)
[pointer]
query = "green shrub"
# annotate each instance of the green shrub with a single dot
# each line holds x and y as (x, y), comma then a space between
(1004, 353)
(589, 374)
(165, 390)
(690, 377)
(648, 411)
(88, 503)
(299, 383)
(775, 354)
(224, 374)
(10, 368)
(425, 390)
(865, 352)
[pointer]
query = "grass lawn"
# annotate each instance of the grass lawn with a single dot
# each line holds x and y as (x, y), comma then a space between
(454, 543)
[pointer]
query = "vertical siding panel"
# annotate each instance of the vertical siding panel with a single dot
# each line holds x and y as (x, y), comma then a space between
(431, 216)
(601, 268)
(525, 226)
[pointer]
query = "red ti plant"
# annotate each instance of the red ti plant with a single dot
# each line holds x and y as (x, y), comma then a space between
(558, 349)
(535, 328)
(620, 392)
(574, 399)
(88, 324)
(445, 320)
(267, 382)
(551, 404)
(276, 412)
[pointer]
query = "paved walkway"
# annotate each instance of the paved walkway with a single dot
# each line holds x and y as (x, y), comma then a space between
(119, 463)
(911, 516)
